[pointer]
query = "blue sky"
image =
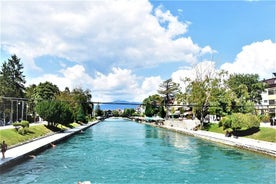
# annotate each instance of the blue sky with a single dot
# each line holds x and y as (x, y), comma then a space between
(123, 50)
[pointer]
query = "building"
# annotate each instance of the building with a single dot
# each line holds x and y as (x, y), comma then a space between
(268, 103)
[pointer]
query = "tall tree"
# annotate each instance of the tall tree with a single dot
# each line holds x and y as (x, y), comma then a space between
(12, 79)
(205, 90)
(246, 86)
(45, 91)
(152, 105)
(30, 94)
(168, 89)
(55, 112)
(79, 101)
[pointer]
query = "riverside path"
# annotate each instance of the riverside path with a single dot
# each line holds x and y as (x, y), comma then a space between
(21, 152)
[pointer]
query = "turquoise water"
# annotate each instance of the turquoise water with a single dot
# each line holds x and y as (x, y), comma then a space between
(119, 151)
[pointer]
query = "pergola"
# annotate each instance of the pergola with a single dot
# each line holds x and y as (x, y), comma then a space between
(15, 108)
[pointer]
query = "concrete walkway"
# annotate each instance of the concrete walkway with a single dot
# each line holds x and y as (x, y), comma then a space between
(18, 153)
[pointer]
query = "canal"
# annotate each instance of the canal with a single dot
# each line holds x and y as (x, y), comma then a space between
(121, 151)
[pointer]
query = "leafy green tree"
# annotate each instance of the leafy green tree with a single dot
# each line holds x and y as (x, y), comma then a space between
(30, 94)
(82, 100)
(206, 91)
(246, 86)
(45, 91)
(79, 101)
(81, 116)
(55, 112)
(152, 104)
(128, 112)
(12, 79)
(98, 111)
(168, 89)
(115, 113)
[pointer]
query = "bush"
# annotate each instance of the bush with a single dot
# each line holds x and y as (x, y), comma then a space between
(21, 123)
(226, 122)
(25, 124)
(24, 127)
(23, 131)
(239, 121)
(264, 118)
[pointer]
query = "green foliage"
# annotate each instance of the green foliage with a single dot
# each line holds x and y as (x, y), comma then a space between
(81, 116)
(239, 121)
(246, 86)
(128, 112)
(23, 127)
(168, 89)
(115, 113)
(264, 117)
(45, 91)
(23, 130)
(162, 112)
(98, 111)
(12, 79)
(153, 105)
(55, 112)
(23, 124)
(79, 102)
(12, 137)
(265, 134)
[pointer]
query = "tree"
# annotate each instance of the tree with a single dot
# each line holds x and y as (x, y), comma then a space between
(45, 91)
(98, 111)
(79, 102)
(55, 112)
(82, 100)
(168, 89)
(30, 94)
(247, 86)
(247, 89)
(205, 90)
(152, 104)
(12, 79)
(128, 112)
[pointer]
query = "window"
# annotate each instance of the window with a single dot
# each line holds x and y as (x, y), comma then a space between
(271, 92)
(271, 102)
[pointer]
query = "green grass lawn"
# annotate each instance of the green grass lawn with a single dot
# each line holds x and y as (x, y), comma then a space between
(265, 133)
(12, 137)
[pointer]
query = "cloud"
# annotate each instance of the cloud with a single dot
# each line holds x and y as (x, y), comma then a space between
(119, 84)
(123, 33)
(200, 70)
(257, 58)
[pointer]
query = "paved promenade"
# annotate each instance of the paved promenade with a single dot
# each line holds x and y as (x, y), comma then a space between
(26, 150)
(265, 147)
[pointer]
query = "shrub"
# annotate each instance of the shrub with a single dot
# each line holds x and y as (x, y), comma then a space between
(22, 130)
(24, 125)
(239, 121)
(21, 123)
(264, 118)
(226, 122)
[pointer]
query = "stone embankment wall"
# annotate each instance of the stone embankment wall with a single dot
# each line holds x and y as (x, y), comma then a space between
(182, 124)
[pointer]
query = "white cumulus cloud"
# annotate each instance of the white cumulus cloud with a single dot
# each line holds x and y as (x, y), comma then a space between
(123, 33)
(256, 58)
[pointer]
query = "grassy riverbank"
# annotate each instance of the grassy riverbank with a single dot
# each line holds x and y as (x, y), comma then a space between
(265, 134)
(12, 137)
